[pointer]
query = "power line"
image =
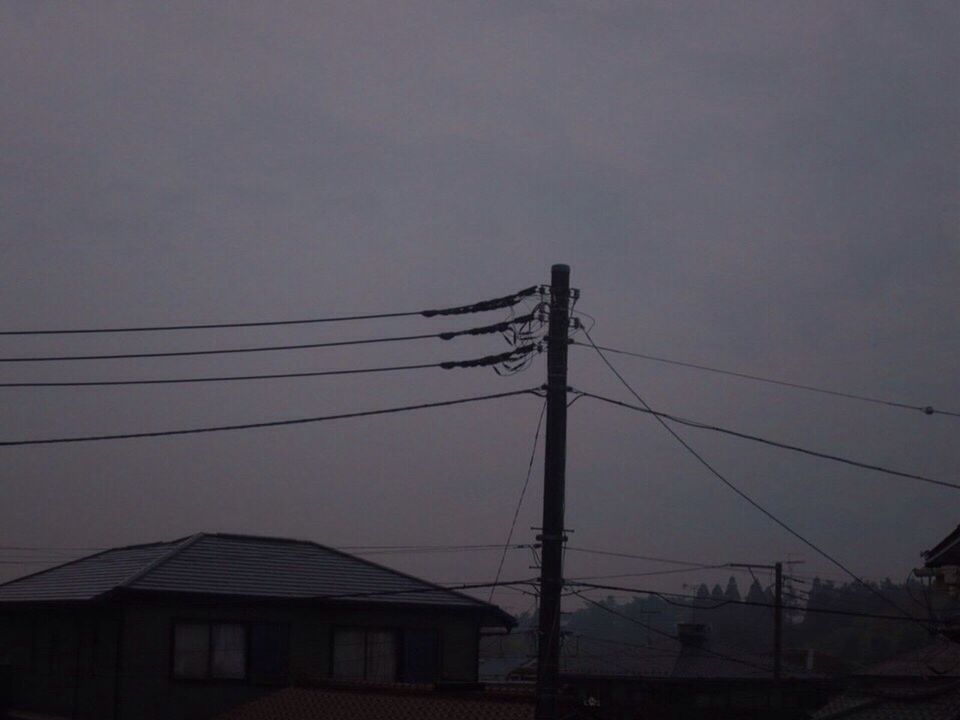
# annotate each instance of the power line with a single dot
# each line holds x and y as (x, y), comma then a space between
(611, 553)
(355, 549)
(773, 443)
(925, 409)
(365, 549)
(523, 492)
(484, 330)
(274, 423)
(437, 588)
(749, 603)
(737, 490)
(651, 573)
(484, 306)
(663, 633)
(440, 550)
(488, 360)
(429, 550)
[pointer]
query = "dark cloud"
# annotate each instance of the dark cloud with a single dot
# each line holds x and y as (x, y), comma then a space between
(767, 186)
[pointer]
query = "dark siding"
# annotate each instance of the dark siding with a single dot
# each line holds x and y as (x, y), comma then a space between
(150, 692)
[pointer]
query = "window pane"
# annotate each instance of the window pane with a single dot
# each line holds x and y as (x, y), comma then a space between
(269, 652)
(420, 656)
(381, 655)
(191, 650)
(348, 654)
(229, 651)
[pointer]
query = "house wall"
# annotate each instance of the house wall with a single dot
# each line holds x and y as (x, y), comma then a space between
(148, 689)
(60, 661)
(65, 662)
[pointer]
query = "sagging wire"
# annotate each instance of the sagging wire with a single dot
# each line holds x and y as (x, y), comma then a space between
(523, 332)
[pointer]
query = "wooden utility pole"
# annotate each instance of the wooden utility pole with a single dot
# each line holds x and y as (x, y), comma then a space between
(777, 608)
(554, 472)
(777, 620)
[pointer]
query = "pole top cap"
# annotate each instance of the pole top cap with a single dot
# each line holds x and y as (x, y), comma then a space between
(560, 267)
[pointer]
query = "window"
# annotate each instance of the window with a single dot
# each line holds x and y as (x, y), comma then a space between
(16, 642)
(269, 653)
(360, 654)
(421, 662)
(203, 651)
(385, 655)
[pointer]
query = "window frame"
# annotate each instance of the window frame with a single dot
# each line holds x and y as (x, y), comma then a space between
(366, 630)
(208, 676)
(400, 638)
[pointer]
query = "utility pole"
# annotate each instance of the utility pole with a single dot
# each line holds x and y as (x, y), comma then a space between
(554, 472)
(777, 620)
(777, 608)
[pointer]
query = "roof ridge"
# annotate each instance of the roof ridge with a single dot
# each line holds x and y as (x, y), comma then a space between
(268, 538)
(178, 546)
(481, 603)
(105, 551)
(57, 567)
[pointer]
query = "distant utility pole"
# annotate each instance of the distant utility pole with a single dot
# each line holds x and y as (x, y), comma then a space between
(777, 609)
(554, 472)
(777, 620)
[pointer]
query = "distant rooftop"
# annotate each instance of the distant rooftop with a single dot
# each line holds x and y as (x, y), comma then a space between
(397, 702)
(236, 566)
(922, 684)
(583, 656)
(945, 552)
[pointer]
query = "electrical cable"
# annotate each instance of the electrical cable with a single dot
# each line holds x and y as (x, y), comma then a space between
(925, 409)
(649, 573)
(274, 423)
(630, 556)
(489, 360)
(658, 631)
(773, 443)
(483, 306)
(354, 548)
(744, 495)
(523, 492)
(450, 335)
(665, 596)
(439, 550)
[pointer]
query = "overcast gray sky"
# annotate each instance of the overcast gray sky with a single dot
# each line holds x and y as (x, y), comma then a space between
(769, 187)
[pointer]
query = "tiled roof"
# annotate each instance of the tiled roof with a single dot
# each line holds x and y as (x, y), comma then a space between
(941, 701)
(727, 661)
(944, 552)
(596, 656)
(86, 578)
(662, 658)
(923, 684)
(238, 566)
(939, 659)
(384, 703)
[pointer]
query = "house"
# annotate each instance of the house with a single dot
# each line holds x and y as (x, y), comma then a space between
(388, 702)
(922, 685)
(189, 628)
(689, 676)
(946, 552)
(942, 563)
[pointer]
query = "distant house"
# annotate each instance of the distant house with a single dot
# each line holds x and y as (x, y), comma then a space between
(390, 702)
(942, 562)
(189, 628)
(686, 677)
(946, 552)
(920, 685)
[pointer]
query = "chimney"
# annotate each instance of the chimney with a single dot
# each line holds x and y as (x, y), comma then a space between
(693, 634)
